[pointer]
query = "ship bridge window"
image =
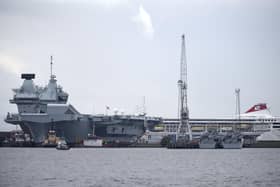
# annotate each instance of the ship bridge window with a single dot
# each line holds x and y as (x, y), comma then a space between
(62, 98)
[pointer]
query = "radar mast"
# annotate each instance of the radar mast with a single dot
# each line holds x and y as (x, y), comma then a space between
(51, 63)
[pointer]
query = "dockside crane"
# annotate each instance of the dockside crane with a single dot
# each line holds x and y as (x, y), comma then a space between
(183, 111)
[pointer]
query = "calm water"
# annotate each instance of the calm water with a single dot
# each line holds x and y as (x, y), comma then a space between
(139, 167)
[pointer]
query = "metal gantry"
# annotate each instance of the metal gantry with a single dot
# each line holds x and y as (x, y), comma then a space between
(182, 100)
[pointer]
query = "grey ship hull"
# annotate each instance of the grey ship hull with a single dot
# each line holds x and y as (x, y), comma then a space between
(120, 132)
(114, 130)
(74, 132)
(207, 145)
(232, 140)
(235, 145)
(209, 140)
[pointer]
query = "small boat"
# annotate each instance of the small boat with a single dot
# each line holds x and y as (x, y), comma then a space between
(93, 141)
(62, 145)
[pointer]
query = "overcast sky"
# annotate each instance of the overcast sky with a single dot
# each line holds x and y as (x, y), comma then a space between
(114, 52)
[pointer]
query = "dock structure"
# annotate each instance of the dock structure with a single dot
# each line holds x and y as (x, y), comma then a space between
(249, 128)
(204, 124)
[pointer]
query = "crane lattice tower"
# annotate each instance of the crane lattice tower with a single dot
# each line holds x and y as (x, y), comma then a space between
(184, 125)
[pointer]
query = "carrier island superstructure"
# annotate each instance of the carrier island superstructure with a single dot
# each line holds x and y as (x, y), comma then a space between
(44, 109)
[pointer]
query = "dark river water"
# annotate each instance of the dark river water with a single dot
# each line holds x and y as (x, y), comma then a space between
(139, 167)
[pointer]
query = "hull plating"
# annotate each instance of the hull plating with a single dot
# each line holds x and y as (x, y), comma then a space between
(74, 132)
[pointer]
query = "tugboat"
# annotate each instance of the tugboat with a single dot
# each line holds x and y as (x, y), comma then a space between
(52, 140)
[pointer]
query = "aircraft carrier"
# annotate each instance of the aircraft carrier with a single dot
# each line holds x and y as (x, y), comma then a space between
(44, 109)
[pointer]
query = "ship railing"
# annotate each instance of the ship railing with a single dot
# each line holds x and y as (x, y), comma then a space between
(143, 117)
